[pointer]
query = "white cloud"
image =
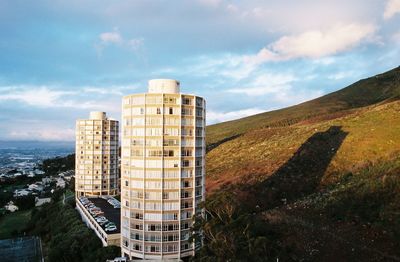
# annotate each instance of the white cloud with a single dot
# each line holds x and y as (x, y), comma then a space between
(396, 37)
(277, 89)
(392, 8)
(342, 75)
(52, 97)
(43, 134)
(136, 43)
(210, 3)
(39, 96)
(115, 37)
(216, 116)
(315, 44)
(266, 84)
(111, 37)
(320, 46)
(110, 90)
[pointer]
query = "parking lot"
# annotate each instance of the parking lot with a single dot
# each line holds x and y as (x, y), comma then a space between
(109, 212)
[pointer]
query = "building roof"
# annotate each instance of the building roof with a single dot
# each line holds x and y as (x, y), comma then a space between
(111, 213)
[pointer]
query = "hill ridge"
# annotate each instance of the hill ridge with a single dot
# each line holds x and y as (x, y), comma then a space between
(368, 91)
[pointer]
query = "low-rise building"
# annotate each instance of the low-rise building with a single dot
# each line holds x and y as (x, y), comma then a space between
(46, 180)
(11, 207)
(22, 192)
(67, 175)
(36, 186)
(41, 201)
(60, 182)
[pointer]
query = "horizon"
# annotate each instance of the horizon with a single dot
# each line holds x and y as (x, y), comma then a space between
(60, 61)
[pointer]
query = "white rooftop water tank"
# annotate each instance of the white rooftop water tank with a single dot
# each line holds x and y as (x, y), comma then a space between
(97, 115)
(164, 86)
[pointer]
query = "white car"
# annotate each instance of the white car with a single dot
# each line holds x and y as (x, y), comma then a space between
(112, 228)
(99, 219)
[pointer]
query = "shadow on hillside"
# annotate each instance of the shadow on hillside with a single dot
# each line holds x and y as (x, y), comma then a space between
(216, 144)
(302, 173)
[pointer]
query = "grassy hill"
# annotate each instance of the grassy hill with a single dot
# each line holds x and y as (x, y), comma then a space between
(323, 176)
(362, 93)
(370, 134)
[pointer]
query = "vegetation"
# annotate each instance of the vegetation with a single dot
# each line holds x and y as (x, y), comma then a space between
(314, 182)
(13, 224)
(65, 236)
(54, 166)
(232, 233)
(8, 186)
(24, 202)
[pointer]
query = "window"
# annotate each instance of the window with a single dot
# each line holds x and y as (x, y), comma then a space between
(141, 111)
(171, 111)
(186, 101)
(158, 111)
(168, 152)
(185, 163)
(126, 183)
(186, 152)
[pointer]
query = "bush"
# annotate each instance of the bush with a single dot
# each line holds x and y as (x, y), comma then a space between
(25, 202)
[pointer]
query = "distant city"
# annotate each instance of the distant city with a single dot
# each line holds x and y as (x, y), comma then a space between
(26, 154)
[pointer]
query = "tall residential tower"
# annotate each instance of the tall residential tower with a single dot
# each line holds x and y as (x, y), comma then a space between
(96, 156)
(162, 170)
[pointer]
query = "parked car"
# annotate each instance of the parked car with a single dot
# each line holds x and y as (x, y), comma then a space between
(101, 219)
(112, 228)
(98, 213)
(102, 223)
(109, 224)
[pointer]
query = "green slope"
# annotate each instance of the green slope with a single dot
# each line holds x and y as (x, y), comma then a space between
(362, 93)
(319, 181)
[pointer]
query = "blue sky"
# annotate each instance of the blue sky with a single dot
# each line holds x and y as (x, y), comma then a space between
(61, 59)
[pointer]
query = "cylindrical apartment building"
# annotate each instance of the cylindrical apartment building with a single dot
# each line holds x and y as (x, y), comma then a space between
(96, 156)
(162, 171)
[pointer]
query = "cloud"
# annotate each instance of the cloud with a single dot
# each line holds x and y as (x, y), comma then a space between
(392, 8)
(315, 43)
(50, 97)
(135, 44)
(277, 89)
(342, 75)
(210, 3)
(39, 96)
(217, 116)
(110, 90)
(43, 134)
(266, 84)
(115, 38)
(319, 46)
(111, 37)
(396, 37)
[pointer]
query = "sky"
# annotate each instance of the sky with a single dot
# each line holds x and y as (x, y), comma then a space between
(59, 60)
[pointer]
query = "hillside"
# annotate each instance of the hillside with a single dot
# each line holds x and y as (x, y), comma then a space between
(323, 176)
(362, 93)
(365, 136)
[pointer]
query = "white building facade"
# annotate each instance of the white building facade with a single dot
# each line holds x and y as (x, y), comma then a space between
(96, 156)
(162, 170)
